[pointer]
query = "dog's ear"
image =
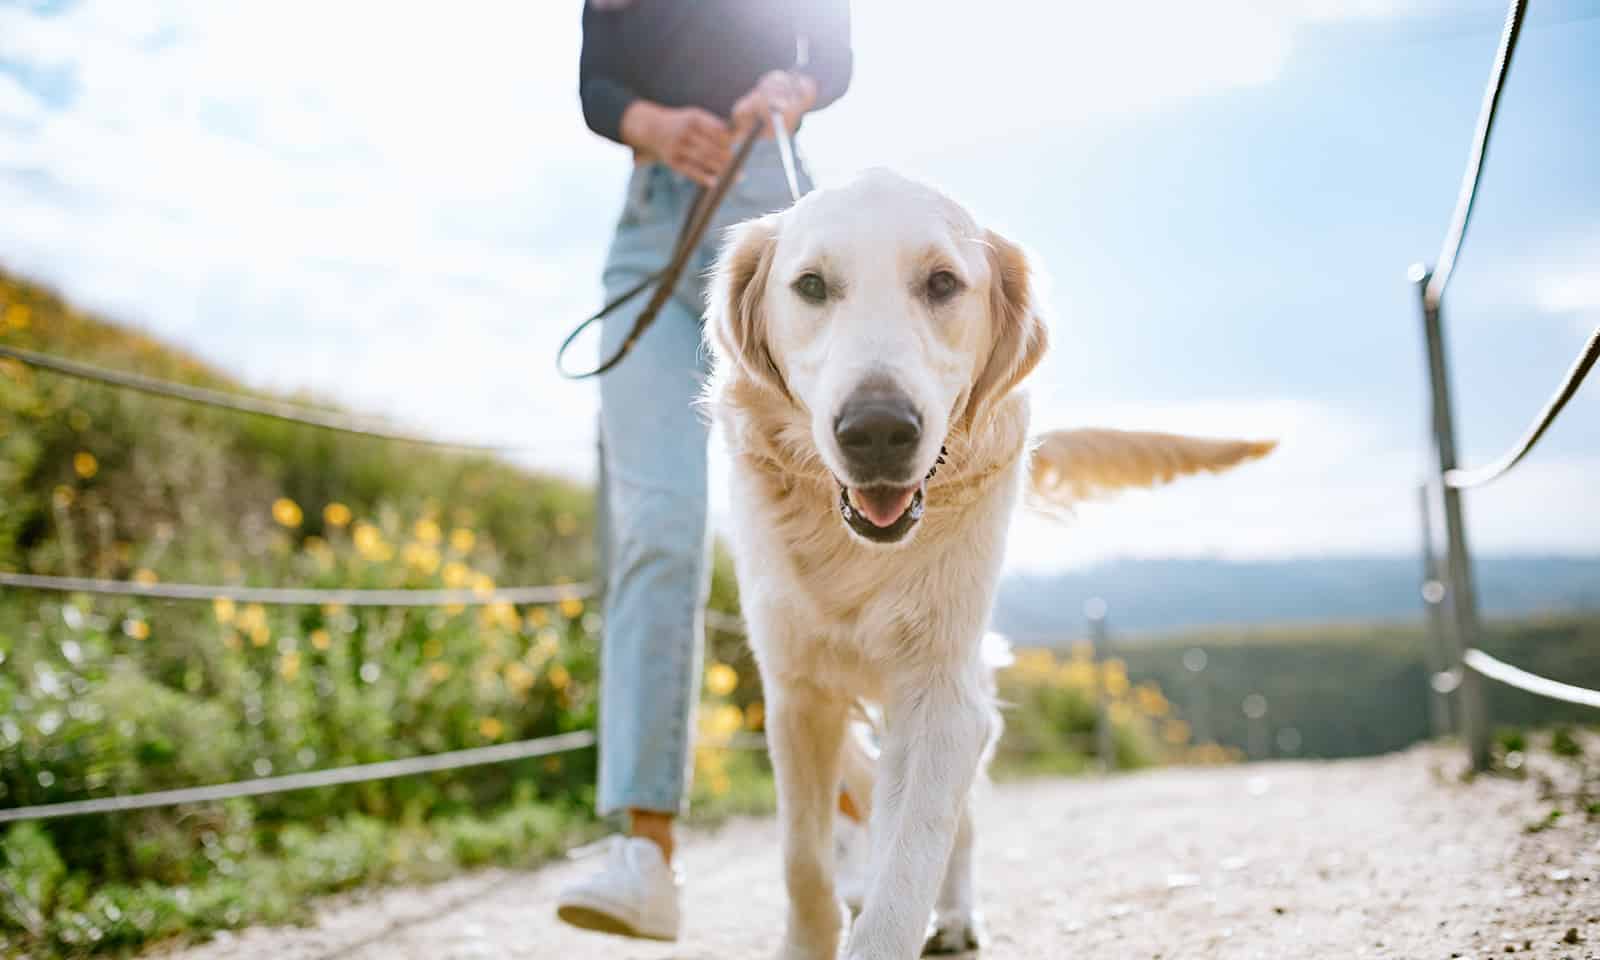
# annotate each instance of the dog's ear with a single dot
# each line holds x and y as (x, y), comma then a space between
(735, 308)
(1019, 338)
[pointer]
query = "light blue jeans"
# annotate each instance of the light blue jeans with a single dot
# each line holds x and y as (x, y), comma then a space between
(656, 536)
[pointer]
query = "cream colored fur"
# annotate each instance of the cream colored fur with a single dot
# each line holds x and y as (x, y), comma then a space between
(834, 618)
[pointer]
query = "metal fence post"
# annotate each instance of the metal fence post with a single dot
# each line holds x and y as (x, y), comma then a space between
(1100, 638)
(1435, 644)
(1459, 590)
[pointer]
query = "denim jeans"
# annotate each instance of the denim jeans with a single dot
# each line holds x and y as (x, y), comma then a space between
(653, 473)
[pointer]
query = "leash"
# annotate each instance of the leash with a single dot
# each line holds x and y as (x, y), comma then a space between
(694, 227)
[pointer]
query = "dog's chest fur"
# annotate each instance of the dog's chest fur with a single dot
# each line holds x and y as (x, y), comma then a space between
(862, 601)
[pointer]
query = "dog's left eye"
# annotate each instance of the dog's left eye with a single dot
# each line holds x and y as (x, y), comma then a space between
(811, 287)
(943, 285)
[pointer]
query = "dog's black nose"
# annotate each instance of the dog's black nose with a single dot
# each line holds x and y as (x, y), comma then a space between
(878, 431)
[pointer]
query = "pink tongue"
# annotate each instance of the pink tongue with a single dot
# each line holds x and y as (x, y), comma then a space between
(882, 506)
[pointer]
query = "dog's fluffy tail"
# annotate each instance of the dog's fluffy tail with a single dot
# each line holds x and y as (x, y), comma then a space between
(1071, 466)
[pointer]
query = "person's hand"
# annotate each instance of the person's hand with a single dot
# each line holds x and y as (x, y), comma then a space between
(791, 94)
(690, 140)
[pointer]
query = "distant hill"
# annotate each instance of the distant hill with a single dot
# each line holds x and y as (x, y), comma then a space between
(1173, 594)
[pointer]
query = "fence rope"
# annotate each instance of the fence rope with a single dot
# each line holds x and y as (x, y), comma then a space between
(1445, 264)
(239, 403)
(333, 776)
(1529, 682)
(339, 776)
(1464, 479)
(297, 596)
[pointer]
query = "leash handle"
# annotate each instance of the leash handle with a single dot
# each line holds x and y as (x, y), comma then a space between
(666, 280)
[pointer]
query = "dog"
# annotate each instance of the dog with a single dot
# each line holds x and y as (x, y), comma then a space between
(868, 347)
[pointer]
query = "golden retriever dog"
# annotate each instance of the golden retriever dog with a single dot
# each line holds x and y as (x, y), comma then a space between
(869, 344)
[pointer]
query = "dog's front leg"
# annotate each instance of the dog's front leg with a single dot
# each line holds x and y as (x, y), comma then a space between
(805, 731)
(938, 725)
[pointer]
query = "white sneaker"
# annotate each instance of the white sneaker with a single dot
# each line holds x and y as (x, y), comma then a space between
(850, 862)
(635, 895)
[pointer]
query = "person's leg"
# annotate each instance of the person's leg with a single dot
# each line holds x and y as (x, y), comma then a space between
(654, 444)
(656, 551)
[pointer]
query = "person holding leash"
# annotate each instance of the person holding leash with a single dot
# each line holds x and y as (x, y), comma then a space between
(681, 82)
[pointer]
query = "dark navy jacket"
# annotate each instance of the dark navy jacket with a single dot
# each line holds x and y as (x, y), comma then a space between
(705, 53)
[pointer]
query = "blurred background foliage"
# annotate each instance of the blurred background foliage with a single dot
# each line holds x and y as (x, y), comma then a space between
(105, 696)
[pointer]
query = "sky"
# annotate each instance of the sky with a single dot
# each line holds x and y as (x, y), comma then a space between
(399, 207)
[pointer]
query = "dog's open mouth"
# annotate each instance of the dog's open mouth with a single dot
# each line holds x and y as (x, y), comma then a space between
(882, 514)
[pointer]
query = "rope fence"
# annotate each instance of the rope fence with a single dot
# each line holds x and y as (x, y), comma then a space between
(236, 402)
(1461, 629)
(301, 596)
(340, 776)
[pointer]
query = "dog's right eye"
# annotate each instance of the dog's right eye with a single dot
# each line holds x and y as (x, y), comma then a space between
(811, 287)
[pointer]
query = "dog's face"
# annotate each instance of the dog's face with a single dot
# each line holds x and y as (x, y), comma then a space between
(888, 319)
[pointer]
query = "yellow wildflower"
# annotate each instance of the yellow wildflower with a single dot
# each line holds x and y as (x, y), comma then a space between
(224, 609)
(18, 316)
(491, 728)
(1114, 674)
(427, 531)
(252, 617)
(320, 639)
(456, 574)
(336, 514)
(145, 576)
(482, 585)
(1150, 701)
(537, 617)
(289, 665)
(726, 721)
(721, 679)
(462, 540)
(439, 671)
(136, 629)
(84, 464)
(286, 512)
(369, 541)
(572, 608)
(558, 676)
(519, 677)
(261, 635)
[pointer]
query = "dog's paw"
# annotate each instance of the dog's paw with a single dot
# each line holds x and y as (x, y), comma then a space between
(955, 933)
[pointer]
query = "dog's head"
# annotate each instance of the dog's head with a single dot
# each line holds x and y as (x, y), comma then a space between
(882, 314)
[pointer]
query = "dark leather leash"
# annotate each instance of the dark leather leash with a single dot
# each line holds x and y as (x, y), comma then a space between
(665, 280)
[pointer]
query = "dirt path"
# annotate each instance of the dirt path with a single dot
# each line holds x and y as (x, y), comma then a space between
(1389, 857)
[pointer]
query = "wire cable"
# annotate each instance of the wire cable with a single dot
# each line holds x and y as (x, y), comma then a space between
(1445, 264)
(333, 776)
(300, 596)
(239, 403)
(1462, 479)
(1529, 682)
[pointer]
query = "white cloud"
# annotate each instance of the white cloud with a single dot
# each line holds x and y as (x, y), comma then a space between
(1572, 290)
